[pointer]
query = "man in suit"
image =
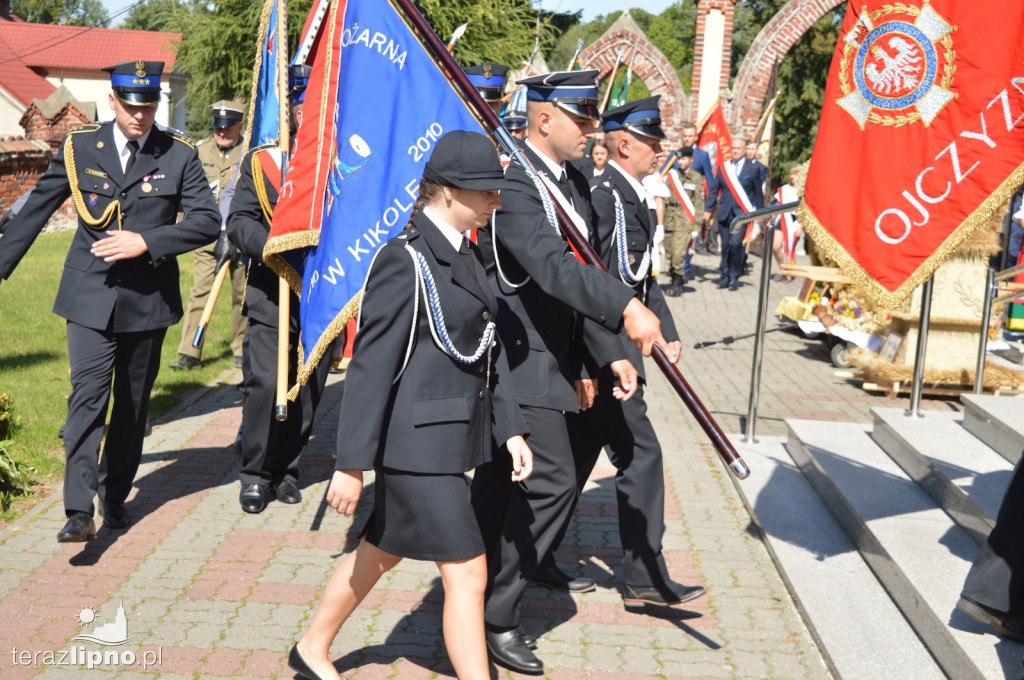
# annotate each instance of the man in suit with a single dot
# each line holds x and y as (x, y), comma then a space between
(736, 190)
(542, 292)
(705, 243)
(219, 155)
(994, 590)
(750, 153)
(625, 235)
(119, 290)
(270, 448)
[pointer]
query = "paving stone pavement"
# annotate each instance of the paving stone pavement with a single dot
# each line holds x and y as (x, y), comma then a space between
(210, 592)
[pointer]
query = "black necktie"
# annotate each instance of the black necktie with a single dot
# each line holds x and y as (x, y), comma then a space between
(133, 146)
(563, 184)
(467, 256)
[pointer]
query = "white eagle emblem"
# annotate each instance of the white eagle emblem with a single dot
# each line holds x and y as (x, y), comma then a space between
(891, 72)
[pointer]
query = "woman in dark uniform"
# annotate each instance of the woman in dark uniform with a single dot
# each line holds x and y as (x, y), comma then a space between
(426, 396)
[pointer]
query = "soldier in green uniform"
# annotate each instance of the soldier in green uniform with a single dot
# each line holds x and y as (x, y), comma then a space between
(678, 225)
(220, 155)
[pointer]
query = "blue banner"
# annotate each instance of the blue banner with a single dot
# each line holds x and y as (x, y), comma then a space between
(393, 103)
(266, 107)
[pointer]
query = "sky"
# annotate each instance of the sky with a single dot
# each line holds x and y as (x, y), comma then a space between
(591, 8)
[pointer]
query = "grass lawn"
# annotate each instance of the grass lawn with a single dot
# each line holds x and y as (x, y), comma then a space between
(34, 367)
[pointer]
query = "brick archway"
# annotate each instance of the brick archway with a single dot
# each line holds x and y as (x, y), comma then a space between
(770, 46)
(650, 65)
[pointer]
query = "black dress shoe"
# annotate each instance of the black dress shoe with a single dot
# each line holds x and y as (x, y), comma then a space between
(508, 649)
(185, 363)
(734, 285)
(299, 665)
(1007, 625)
(115, 516)
(79, 529)
(287, 491)
(666, 594)
(528, 639)
(554, 578)
(253, 498)
(724, 283)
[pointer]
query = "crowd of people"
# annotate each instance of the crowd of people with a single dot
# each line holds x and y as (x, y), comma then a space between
(521, 366)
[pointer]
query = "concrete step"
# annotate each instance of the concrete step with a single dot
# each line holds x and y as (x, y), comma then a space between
(914, 548)
(962, 474)
(862, 633)
(997, 421)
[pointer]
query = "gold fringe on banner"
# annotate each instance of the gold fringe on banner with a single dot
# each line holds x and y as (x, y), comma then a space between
(331, 333)
(261, 35)
(879, 295)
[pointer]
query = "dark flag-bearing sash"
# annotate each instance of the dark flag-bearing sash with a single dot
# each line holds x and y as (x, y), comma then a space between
(375, 105)
(921, 137)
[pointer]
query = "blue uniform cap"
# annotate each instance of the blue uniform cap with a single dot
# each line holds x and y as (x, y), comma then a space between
(640, 117)
(574, 91)
(489, 80)
(298, 78)
(136, 82)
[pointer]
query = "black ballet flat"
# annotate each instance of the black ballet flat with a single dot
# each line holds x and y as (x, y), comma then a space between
(299, 665)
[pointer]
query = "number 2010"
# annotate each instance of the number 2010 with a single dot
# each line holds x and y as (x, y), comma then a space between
(424, 143)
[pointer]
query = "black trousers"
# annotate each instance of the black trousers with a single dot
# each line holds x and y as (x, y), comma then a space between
(271, 448)
(100, 361)
(731, 265)
(624, 428)
(521, 522)
(996, 579)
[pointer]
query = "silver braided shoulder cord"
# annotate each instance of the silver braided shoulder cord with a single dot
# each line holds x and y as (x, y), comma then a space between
(437, 326)
(621, 246)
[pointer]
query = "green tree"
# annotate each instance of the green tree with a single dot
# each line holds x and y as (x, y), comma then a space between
(65, 12)
(218, 50)
(499, 31)
(161, 15)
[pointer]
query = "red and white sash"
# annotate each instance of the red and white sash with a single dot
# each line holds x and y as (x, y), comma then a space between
(733, 182)
(787, 194)
(675, 183)
(270, 161)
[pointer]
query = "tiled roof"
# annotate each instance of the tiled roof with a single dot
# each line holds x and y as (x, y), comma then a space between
(30, 51)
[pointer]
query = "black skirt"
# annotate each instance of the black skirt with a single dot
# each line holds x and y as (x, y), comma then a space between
(424, 517)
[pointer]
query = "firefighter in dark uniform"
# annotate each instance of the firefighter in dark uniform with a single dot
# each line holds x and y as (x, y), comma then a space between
(625, 235)
(119, 290)
(270, 448)
(219, 155)
(489, 81)
(543, 293)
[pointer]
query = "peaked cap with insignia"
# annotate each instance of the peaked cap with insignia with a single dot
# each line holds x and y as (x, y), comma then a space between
(136, 82)
(298, 79)
(227, 113)
(489, 80)
(639, 117)
(574, 91)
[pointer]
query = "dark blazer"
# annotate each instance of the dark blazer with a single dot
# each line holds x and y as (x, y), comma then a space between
(440, 416)
(536, 321)
(640, 239)
(719, 193)
(142, 293)
(248, 229)
(702, 164)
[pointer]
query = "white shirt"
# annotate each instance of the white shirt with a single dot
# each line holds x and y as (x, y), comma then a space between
(640, 189)
(121, 144)
(451, 234)
(557, 170)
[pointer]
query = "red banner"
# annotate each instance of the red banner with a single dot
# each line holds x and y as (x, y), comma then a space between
(921, 137)
(713, 136)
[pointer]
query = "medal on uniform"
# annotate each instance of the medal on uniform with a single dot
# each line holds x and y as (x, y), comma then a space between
(146, 187)
(99, 145)
(92, 199)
